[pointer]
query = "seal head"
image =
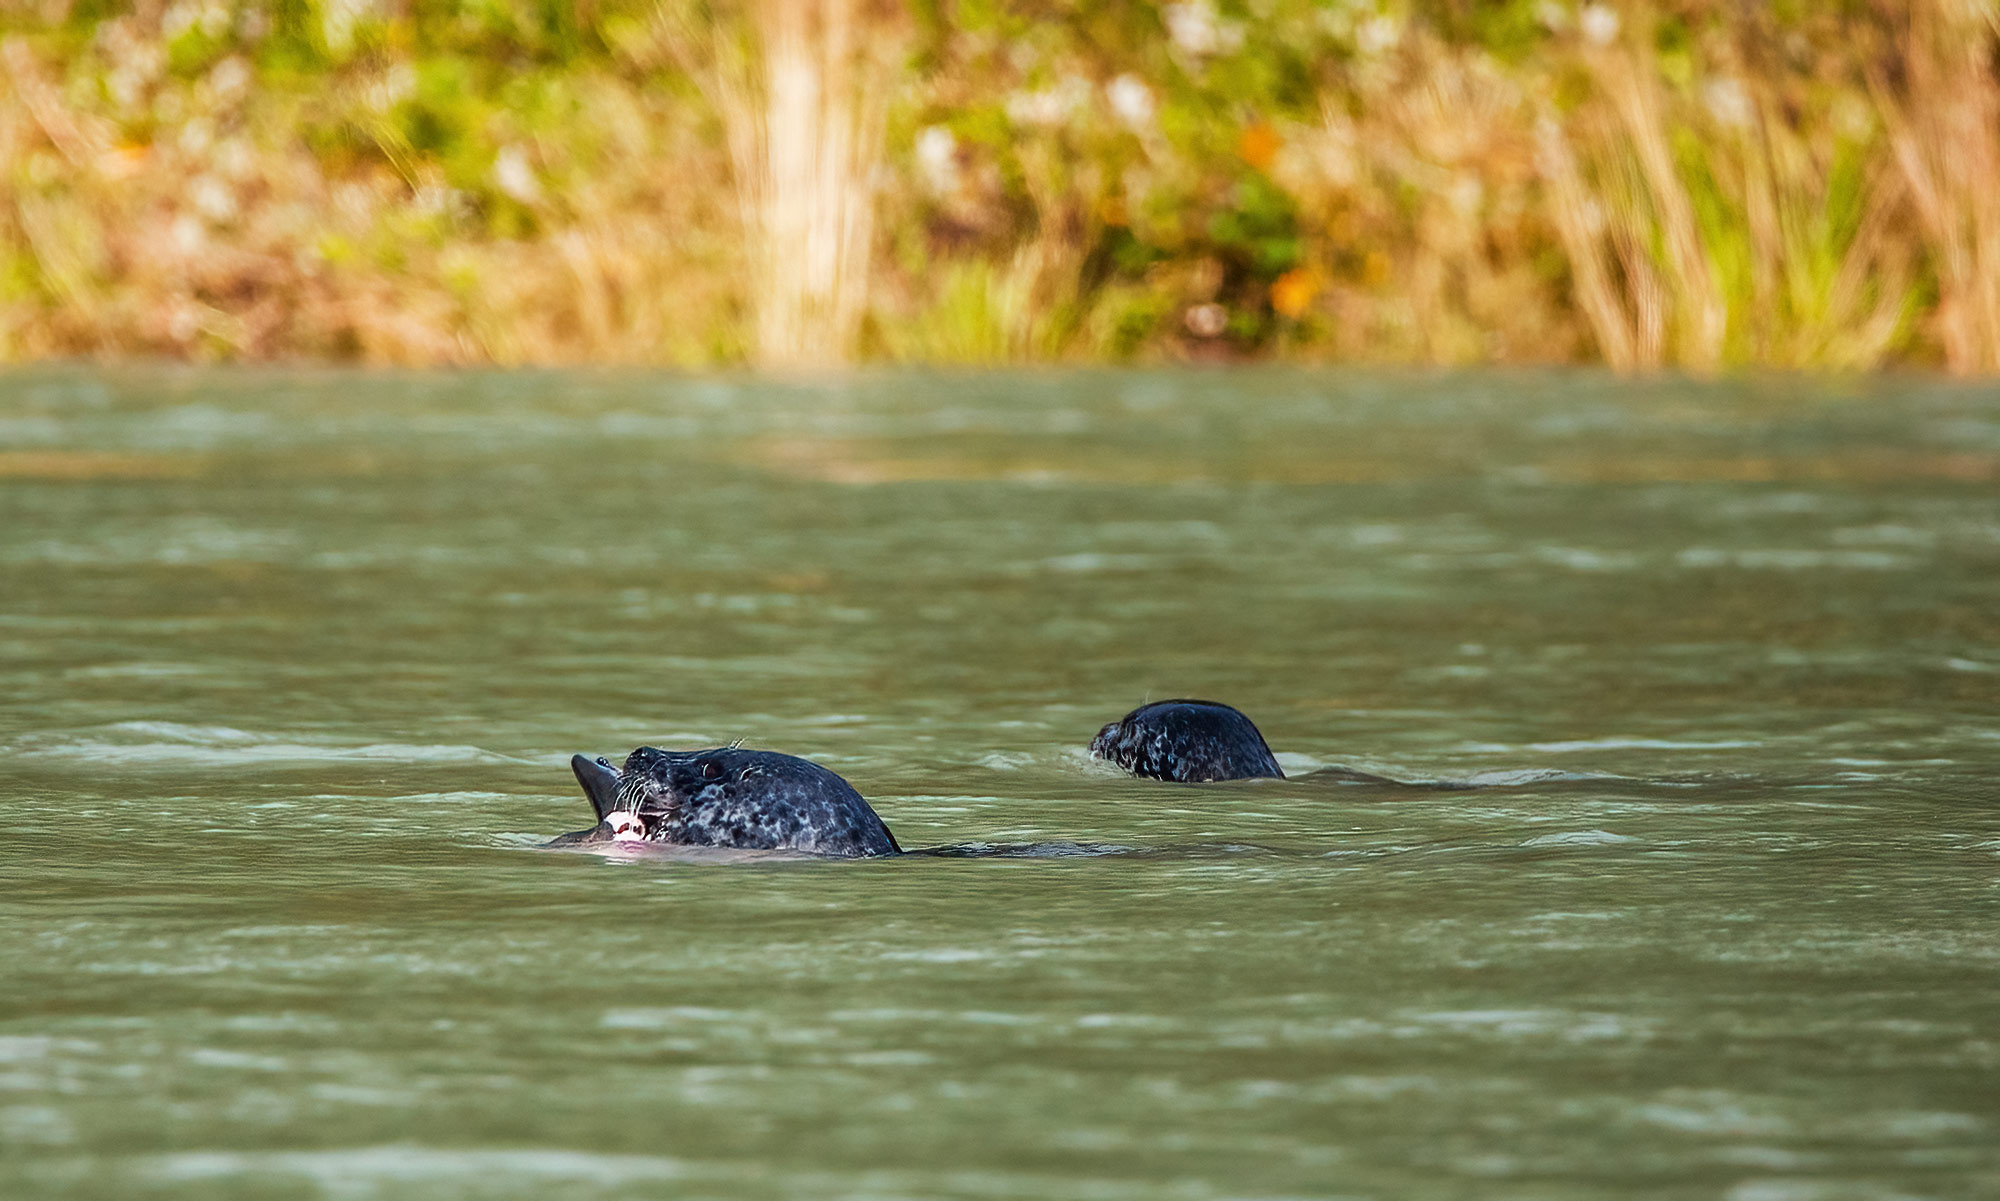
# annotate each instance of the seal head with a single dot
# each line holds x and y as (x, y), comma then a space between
(1187, 742)
(729, 797)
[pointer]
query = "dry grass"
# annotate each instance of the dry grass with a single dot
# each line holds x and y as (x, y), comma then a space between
(1427, 200)
(227, 238)
(1708, 228)
(729, 184)
(1944, 129)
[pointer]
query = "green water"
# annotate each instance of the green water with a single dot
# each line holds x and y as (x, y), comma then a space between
(291, 666)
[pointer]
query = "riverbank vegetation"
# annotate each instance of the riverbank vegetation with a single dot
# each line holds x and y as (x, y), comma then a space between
(1692, 184)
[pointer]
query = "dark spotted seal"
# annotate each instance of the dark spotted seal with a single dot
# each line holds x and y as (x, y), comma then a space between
(1198, 742)
(1188, 742)
(728, 797)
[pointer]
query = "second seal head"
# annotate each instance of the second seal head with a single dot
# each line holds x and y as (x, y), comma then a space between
(1187, 742)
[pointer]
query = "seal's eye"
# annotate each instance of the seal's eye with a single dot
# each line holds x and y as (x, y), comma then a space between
(711, 770)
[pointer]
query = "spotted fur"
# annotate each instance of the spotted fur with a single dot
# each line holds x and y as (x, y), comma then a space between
(730, 797)
(1188, 742)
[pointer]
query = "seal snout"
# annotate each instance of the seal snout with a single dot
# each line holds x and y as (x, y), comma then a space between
(600, 783)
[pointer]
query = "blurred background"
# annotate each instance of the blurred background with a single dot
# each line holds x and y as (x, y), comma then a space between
(1697, 184)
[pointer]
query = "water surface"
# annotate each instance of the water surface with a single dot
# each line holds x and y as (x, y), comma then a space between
(291, 665)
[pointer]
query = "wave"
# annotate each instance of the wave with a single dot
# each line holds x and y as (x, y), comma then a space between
(173, 744)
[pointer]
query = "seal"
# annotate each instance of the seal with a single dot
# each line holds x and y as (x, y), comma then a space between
(1199, 742)
(727, 797)
(1187, 742)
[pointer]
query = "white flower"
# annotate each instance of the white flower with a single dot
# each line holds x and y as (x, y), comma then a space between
(125, 85)
(391, 89)
(234, 158)
(211, 16)
(185, 323)
(1378, 34)
(353, 202)
(231, 77)
(1466, 194)
(196, 137)
(513, 175)
(1728, 102)
(178, 19)
(1206, 320)
(213, 199)
(338, 19)
(1131, 99)
(439, 200)
(1048, 106)
(188, 236)
(1599, 24)
(1195, 28)
(937, 159)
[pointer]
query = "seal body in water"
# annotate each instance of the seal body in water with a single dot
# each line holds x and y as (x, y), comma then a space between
(1188, 742)
(728, 797)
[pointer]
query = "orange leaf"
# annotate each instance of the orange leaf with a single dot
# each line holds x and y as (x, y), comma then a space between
(1259, 144)
(1293, 292)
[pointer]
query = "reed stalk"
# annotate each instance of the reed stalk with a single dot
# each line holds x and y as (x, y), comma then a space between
(803, 88)
(1944, 128)
(1579, 221)
(1629, 79)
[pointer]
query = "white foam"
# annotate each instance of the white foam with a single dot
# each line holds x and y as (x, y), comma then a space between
(942, 955)
(1089, 562)
(341, 1171)
(43, 1125)
(1648, 744)
(22, 1048)
(1533, 775)
(1579, 838)
(666, 1019)
(217, 1057)
(165, 743)
(1795, 560)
